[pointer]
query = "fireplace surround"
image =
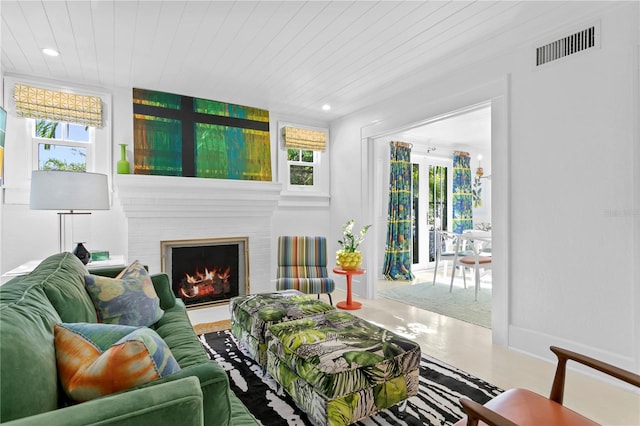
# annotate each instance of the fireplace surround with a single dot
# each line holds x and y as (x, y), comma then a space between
(207, 272)
(165, 208)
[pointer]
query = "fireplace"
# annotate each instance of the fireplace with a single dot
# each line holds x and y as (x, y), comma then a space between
(207, 272)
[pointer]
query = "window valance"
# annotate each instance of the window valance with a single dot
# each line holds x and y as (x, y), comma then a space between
(45, 104)
(296, 138)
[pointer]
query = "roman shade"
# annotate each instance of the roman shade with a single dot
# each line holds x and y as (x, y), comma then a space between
(52, 105)
(297, 138)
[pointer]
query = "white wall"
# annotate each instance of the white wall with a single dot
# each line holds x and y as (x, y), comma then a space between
(568, 178)
(298, 215)
(33, 234)
(565, 180)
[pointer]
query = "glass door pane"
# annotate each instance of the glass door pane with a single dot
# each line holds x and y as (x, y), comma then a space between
(415, 222)
(438, 204)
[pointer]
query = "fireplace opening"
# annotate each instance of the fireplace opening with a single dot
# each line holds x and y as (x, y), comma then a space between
(207, 272)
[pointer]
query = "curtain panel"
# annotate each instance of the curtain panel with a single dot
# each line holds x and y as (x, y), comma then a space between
(52, 105)
(397, 255)
(462, 193)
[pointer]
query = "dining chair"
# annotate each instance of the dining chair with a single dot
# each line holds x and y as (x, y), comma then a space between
(479, 257)
(525, 408)
(447, 245)
(302, 265)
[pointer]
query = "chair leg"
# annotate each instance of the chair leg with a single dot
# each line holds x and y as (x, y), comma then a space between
(477, 283)
(464, 276)
(453, 265)
(453, 275)
(330, 301)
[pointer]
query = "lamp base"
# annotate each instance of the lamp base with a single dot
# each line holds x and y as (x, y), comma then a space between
(82, 253)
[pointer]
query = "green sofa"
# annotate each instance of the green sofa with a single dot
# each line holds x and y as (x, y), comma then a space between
(30, 392)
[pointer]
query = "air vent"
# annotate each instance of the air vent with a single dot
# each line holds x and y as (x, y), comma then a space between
(566, 46)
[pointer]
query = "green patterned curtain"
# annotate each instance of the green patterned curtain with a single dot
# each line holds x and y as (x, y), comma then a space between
(397, 255)
(462, 194)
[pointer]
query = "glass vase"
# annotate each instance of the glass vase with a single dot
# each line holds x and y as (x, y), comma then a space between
(82, 253)
(123, 166)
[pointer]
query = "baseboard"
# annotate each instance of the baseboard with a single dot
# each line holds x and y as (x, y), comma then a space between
(537, 344)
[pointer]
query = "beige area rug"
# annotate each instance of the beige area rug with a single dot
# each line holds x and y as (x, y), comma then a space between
(459, 303)
(210, 327)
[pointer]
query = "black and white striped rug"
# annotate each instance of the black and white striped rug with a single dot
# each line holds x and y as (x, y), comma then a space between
(436, 403)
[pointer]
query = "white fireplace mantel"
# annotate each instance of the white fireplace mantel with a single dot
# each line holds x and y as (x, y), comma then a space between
(164, 208)
(171, 196)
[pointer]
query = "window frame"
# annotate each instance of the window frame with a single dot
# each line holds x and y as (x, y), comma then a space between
(316, 195)
(313, 164)
(88, 145)
(18, 162)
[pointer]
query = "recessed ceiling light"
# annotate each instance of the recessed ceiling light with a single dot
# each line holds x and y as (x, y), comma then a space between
(50, 52)
(326, 107)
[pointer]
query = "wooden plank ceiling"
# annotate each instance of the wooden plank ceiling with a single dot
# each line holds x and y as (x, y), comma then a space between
(286, 56)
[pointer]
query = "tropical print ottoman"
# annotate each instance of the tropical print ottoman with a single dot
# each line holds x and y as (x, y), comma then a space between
(339, 368)
(251, 316)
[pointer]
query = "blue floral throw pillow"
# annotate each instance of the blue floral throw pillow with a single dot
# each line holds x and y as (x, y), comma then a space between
(128, 299)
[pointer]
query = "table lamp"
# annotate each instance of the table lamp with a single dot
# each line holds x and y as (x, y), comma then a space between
(64, 190)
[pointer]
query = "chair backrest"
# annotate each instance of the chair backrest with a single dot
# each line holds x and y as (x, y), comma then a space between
(446, 243)
(302, 257)
(483, 243)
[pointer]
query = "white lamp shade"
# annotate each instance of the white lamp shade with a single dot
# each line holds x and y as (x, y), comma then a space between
(58, 190)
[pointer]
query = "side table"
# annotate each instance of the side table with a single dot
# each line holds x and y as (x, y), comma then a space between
(29, 266)
(349, 304)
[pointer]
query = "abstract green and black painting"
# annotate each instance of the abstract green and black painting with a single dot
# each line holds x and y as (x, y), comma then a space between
(177, 135)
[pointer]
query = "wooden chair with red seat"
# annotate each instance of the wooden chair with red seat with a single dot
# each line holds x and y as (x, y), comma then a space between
(525, 408)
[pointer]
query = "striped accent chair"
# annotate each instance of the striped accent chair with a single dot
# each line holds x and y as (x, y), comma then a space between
(302, 265)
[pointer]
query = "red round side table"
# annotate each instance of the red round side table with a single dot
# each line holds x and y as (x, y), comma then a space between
(349, 304)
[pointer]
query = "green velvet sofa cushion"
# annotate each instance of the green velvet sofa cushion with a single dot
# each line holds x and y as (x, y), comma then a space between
(62, 278)
(175, 403)
(28, 374)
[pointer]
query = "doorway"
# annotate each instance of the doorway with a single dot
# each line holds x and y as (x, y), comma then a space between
(494, 93)
(433, 145)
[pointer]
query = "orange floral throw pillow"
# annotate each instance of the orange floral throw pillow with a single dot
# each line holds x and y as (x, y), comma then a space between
(99, 359)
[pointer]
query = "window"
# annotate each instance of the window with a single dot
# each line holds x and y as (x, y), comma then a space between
(81, 139)
(302, 166)
(61, 146)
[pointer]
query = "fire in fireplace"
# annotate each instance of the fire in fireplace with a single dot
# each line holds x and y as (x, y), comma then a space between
(207, 272)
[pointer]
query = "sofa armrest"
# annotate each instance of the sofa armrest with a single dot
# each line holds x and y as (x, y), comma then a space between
(216, 392)
(107, 271)
(176, 403)
(162, 285)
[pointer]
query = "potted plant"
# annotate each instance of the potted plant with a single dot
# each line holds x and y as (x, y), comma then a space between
(349, 257)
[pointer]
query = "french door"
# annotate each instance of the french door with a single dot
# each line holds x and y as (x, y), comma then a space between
(431, 209)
